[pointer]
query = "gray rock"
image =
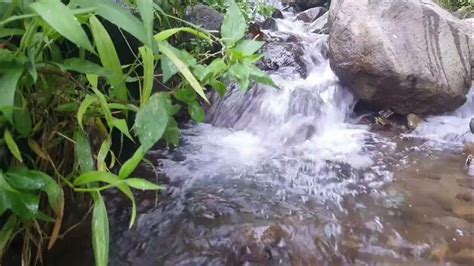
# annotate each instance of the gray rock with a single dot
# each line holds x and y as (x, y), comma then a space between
(206, 17)
(278, 55)
(413, 121)
(302, 5)
(411, 56)
(321, 25)
(311, 14)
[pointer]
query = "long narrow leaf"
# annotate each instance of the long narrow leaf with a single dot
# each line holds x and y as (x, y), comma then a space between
(148, 69)
(119, 16)
(11, 144)
(83, 152)
(109, 58)
(165, 34)
(60, 18)
(100, 231)
(129, 166)
(183, 69)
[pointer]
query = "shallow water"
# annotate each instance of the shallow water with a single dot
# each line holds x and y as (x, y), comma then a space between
(293, 176)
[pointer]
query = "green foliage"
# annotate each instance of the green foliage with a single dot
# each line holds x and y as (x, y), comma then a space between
(454, 5)
(65, 91)
(249, 9)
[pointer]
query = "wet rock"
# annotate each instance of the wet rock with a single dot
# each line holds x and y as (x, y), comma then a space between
(277, 14)
(411, 56)
(273, 235)
(465, 212)
(458, 243)
(311, 14)
(464, 13)
(321, 25)
(464, 257)
(413, 121)
(206, 17)
(440, 252)
(467, 195)
(451, 222)
(305, 4)
(278, 55)
(268, 24)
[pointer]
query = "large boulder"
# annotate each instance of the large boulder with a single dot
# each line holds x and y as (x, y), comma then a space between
(278, 55)
(411, 56)
(206, 17)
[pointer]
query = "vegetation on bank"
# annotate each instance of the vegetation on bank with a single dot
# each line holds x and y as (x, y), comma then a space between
(454, 5)
(68, 103)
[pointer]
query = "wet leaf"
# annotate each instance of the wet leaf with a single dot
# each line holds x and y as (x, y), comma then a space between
(151, 120)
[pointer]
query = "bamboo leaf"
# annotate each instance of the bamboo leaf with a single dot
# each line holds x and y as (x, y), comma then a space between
(146, 12)
(165, 34)
(9, 77)
(6, 233)
(100, 231)
(83, 152)
(109, 58)
(11, 144)
(183, 69)
(88, 101)
(61, 19)
(121, 125)
(96, 176)
(129, 166)
(102, 154)
(119, 16)
(148, 73)
(142, 184)
(151, 121)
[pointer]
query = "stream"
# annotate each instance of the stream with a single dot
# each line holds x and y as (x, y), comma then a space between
(295, 177)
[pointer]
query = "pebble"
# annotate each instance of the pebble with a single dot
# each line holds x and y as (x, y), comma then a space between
(465, 212)
(413, 121)
(464, 257)
(440, 252)
(467, 195)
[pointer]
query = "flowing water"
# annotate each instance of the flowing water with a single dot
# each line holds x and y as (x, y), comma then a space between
(294, 176)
